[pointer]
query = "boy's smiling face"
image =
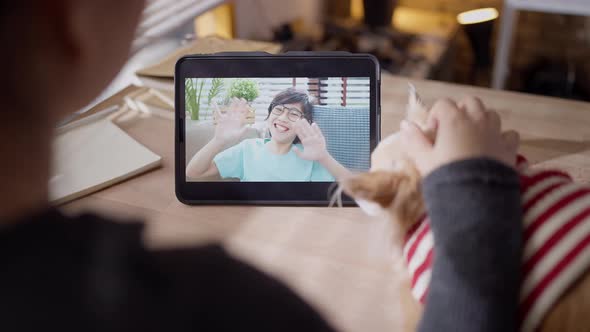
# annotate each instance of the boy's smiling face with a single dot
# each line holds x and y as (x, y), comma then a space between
(281, 122)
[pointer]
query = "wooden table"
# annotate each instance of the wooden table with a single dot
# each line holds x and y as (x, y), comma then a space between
(328, 255)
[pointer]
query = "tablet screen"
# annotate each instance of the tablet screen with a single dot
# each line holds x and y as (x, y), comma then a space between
(289, 129)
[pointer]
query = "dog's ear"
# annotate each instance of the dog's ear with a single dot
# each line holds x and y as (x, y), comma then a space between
(393, 191)
(376, 186)
(416, 110)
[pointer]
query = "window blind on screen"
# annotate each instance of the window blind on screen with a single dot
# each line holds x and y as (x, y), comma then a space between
(344, 91)
(335, 92)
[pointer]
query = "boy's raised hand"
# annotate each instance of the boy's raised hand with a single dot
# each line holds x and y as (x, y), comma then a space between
(231, 125)
(312, 139)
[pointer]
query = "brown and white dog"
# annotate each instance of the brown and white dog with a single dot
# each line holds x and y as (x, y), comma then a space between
(555, 289)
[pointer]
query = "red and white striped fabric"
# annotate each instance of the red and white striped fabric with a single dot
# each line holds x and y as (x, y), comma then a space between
(556, 242)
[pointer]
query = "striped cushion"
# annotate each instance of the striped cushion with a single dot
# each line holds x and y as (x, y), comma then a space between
(556, 242)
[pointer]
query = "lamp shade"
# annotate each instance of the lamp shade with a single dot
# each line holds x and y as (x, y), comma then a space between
(378, 13)
(478, 25)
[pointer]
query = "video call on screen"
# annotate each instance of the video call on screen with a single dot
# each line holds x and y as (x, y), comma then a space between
(291, 129)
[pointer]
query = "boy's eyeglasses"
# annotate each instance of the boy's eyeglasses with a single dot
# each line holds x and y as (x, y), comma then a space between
(293, 113)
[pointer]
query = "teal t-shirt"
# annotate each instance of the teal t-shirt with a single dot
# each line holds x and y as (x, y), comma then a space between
(251, 160)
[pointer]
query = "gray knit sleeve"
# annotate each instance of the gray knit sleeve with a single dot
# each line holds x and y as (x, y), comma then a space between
(476, 218)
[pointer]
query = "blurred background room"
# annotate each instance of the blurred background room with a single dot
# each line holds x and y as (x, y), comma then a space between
(534, 46)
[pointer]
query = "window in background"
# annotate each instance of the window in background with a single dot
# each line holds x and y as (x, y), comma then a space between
(163, 17)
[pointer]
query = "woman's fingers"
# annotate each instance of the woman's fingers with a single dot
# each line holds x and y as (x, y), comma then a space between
(509, 143)
(444, 112)
(461, 131)
(478, 113)
(474, 108)
(494, 121)
(511, 140)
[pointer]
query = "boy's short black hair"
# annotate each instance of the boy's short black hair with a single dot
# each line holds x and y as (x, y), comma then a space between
(293, 96)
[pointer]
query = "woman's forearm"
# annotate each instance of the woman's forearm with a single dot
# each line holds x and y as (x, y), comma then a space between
(202, 160)
(335, 168)
(476, 219)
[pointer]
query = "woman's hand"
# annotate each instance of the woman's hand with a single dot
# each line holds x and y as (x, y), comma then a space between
(231, 126)
(312, 139)
(464, 130)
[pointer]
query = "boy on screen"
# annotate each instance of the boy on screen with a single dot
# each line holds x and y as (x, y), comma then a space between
(295, 151)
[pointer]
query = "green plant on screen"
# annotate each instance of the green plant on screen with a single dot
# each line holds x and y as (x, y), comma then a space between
(216, 87)
(192, 97)
(243, 88)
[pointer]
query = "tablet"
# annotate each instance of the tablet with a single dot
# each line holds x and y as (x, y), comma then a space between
(255, 128)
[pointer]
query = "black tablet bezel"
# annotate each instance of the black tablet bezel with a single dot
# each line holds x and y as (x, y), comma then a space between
(266, 65)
